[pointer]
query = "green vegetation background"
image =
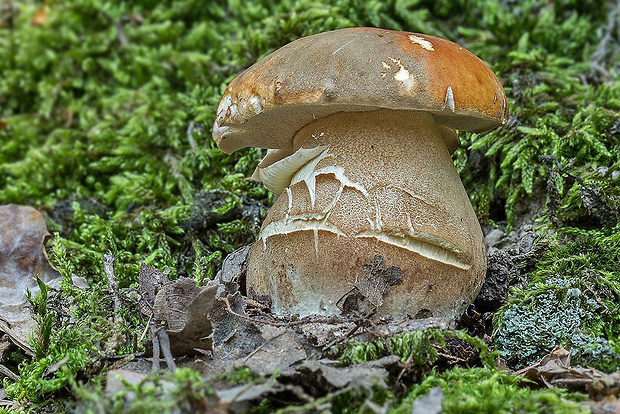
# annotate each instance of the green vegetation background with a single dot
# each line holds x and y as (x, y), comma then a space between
(106, 110)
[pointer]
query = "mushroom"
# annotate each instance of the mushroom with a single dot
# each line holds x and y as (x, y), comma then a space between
(360, 124)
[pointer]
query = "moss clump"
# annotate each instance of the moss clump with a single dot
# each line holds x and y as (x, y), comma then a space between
(482, 390)
(570, 298)
(419, 348)
(72, 348)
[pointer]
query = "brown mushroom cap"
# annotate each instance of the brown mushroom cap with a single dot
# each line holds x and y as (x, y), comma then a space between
(358, 69)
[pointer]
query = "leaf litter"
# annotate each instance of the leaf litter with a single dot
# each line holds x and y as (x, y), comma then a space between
(287, 355)
(23, 258)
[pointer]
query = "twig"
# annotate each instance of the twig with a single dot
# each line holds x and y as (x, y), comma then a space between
(450, 357)
(325, 319)
(155, 346)
(146, 328)
(406, 366)
(190, 136)
(599, 54)
(108, 269)
(164, 343)
(8, 373)
(120, 33)
(346, 336)
(251, 354)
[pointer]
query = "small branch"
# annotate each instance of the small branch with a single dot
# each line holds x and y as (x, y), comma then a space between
(108, 269)
(346, 337)
(190, 136)
(146, 328)
(598, 56)
(164, 343)
(122, 39)
(8, 373)
(257, 350)
(326, 319)
(406, 366)
(155, 346)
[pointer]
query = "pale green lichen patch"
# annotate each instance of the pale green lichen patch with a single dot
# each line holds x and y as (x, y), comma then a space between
(570, 299)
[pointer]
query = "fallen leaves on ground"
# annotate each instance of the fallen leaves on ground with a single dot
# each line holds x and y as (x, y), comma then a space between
(22, 257)
(554, 371)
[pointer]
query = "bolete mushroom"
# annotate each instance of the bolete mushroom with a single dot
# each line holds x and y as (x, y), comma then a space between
(360, 124)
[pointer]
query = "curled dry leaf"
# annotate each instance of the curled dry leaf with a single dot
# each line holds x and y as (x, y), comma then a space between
(22, 257)
(554, 371)
(40, 17)
(183, 306)
(280, 350)
(368, 291)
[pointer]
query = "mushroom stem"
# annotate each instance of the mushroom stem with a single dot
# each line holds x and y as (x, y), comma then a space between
(383, 184)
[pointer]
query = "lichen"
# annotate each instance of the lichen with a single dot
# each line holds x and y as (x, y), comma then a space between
(569, 299)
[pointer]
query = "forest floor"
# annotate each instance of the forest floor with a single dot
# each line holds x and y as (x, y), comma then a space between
(137, 225)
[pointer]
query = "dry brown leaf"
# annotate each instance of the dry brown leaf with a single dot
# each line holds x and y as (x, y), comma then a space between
(280, 350)
(368, 291)
(183, 306)
(22, 257)
(554, 371)
(40, 17)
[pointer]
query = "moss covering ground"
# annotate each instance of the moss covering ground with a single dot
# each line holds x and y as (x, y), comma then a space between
(106, 110)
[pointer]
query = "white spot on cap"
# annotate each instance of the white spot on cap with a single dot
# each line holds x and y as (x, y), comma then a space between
(449, 100)
(223, 106)
(256, 103)
(425, 44)
(402, 74)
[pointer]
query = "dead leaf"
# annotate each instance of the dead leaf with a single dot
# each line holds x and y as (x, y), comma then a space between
(234, 337)
(117, 378)
(606, 406)
(55, 367)
(150, 280)
(40, 17)
(22, 257)
(246, 392)
(234, 268)
(368, 291)
(185, 308)
(554, 371)
(322, 375)
(280, 350)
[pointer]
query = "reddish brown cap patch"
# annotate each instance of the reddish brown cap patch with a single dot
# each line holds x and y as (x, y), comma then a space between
(358, 69)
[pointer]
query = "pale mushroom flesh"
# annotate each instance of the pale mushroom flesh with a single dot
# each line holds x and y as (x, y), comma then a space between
(360, 184)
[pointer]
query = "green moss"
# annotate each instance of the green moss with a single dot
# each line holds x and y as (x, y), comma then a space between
(483, 390)
(419, 348)
(570, 298)
(74, 346)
